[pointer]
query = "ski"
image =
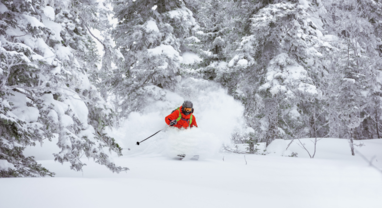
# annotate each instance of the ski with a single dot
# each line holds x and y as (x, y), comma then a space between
(181, 156)
(195, 157)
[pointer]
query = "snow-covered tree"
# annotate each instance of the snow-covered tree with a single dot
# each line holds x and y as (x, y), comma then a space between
(46, 53)
(276, 61)
(222, 24)
(356, 88)
(148, 34)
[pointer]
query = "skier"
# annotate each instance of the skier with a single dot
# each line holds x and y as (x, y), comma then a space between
(182, 116)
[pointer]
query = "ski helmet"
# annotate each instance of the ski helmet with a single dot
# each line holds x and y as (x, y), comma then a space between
(186, 106)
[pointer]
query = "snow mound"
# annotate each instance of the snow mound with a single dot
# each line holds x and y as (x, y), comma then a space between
(277, 147)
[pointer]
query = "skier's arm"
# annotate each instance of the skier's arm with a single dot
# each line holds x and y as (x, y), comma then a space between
(173, 116)
(194, 122)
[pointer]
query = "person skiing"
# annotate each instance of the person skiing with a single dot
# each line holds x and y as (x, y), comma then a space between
(182, 116)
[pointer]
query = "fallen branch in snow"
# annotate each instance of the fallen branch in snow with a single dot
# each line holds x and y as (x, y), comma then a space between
(367, 160)
(226, 148)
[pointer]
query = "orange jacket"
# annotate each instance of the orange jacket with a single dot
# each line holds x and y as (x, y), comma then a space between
(184, 122)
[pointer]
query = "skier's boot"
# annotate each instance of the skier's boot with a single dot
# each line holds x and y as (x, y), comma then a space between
(181, 156)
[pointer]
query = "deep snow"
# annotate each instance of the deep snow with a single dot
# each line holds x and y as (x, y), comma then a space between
(334, 179)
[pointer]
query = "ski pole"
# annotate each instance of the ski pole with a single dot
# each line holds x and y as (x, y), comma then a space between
(149, 137)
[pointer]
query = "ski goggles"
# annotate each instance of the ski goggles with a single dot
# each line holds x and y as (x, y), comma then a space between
(187, 109)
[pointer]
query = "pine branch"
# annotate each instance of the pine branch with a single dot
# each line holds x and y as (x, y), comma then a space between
(24, 93)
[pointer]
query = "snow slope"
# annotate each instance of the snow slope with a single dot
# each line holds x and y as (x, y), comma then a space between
(334, 179)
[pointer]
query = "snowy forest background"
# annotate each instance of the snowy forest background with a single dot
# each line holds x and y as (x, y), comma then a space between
(298, 68)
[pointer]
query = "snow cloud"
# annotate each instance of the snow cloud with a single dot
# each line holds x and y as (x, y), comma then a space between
(218, 116)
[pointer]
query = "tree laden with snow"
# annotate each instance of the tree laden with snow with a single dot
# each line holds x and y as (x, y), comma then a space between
(277, 61)
(222, 24)
(355, 93)
(315, 64)
(45, 54)
(148, 35)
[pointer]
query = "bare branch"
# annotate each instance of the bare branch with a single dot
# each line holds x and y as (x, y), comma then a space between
(290, 143)
(303, 146)
(104, 46)
(367, 160)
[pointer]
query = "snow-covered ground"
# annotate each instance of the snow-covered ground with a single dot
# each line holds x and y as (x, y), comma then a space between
(272, 179)
(333, 179)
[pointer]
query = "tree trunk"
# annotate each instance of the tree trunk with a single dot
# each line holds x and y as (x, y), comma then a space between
(251, 145)
(352, 146)
(315, 133)
(272, 115)
(351, 143)
(377, 122)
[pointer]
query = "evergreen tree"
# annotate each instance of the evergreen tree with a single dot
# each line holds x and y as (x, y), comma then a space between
(222, 24)
(148, 34)
(355, 89)
(276, 61)
(45, 56)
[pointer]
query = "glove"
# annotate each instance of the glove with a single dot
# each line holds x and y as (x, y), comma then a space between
(173, 122)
